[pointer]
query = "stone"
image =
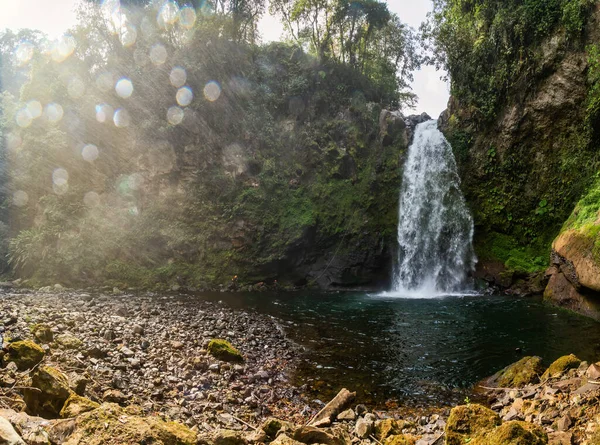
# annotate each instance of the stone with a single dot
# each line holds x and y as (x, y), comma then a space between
(42, 333)
(387, 427)
(25, 354)
(560, 438)
(114, 396)
(467, 421)
(223, 350)
(347, 415)
(593, 372)
(560, 365)
(283, 439)
(512, 433)
(137, 329)
(400, 439)
(364, 428)
(8, 435)
(76, 405)
(51, 394)
(564, 423)
(314, 435)
(228, 437)
(272, 426)
(524, 372)
(68, 341)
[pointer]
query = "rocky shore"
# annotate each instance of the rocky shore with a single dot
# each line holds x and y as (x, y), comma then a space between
(150, 369)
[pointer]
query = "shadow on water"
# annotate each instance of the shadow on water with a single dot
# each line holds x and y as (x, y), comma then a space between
(417, 351)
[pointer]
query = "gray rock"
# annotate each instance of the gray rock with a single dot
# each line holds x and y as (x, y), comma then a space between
(347, 415)
(8, 435)
(364, 428)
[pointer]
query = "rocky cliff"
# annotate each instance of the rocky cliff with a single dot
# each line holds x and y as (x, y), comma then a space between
(525, 169)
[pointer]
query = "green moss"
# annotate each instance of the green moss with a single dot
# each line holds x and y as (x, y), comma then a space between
(76, 405)
(561, 365)
(42, 333)
(514, 256)
(53, 392)
(68, 341)
(26, 354)
(525, 371)
(223, 350)
(387, 427)
(467, 421)
(400, 439)
(513, 433)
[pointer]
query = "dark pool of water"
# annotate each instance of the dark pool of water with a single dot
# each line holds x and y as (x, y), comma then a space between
(418, 350)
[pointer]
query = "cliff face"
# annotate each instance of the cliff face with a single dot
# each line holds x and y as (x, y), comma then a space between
(524, 170)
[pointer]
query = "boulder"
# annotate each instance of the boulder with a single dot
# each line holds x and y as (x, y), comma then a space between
(400, 439)
(313, 435)
(513, 433)
(223, 350)
(76, 405)
(50, 390)
(8, 435)
(387, 427)
(467, 421)
(273, 426)
(364, 427)
(347, 415)
(283, 439)
(112, 424)
(42, 333)
(68, 341)
(561, 365)
(25, 354)
(525, 371)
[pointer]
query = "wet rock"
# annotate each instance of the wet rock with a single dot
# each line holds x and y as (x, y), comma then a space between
(519, 374)
(25, 354)
(223, 350)
(8, 435)
(561, 365)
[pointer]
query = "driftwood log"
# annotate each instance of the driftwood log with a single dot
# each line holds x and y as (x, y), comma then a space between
(338, 404)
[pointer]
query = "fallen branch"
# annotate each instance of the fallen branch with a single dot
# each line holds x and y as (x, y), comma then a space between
(373, 437)
(245, 423)
(333, 408)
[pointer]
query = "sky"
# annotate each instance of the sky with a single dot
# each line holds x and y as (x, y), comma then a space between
(54, 20)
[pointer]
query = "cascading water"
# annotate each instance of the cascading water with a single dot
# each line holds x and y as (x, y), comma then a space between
(435, 229)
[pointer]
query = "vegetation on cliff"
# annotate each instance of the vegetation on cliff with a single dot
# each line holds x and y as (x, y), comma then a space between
(167, 146)
(522, 117)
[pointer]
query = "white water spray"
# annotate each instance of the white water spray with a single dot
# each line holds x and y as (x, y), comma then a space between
(435, 229)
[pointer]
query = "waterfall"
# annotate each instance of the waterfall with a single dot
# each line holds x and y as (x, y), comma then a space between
(435, 228)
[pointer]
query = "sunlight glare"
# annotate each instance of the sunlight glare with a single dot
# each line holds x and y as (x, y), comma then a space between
(20, 198)
(178, 77)
(174, 115)
(24, 53)
(124, 88)
(158, 54)
(212, 91)
(54, 112)
(121, 118)
(184, 96)
(89, 152)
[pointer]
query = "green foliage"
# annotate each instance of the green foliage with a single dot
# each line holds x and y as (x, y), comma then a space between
(516, 258)
(489, 46)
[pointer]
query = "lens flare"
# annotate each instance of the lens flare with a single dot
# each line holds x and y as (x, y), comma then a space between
(54, 112)
(178, 77)
(62, 48)
(158, 54)
(187, 17)
(174, 115)
(184, 96)
(23, 118)
(76, 88)
(89, 152)
(128, 35)
(212, 91)
(24, 53)
(60, 176)
(168, 14)
(20, 198)
(124, 88)
(35, 108)
(91, 199)
(13, 141)
(121, 118)
(104, 112)
(136, 181)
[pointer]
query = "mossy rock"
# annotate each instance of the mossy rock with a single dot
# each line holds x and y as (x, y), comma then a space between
(561, 365)
(76, 405)
(223, 350)
(105, 426)
(69, 341)
(513, 433)
(400, 439)
(272, 426)
(42, 333)
(467, 421)
(51, 393)
(387, 427)
(26, 354)
(226, 437)
(525, 371)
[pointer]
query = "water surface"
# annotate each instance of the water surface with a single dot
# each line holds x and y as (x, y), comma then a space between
(418, 350)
